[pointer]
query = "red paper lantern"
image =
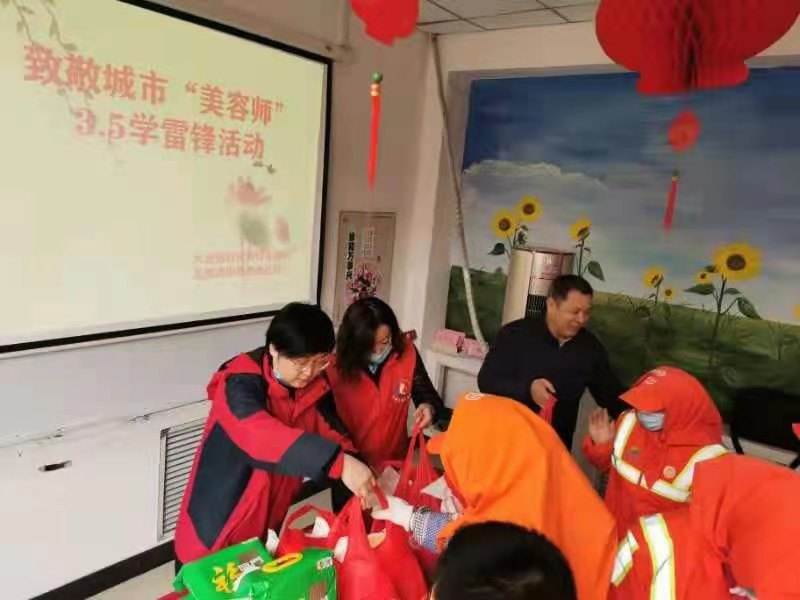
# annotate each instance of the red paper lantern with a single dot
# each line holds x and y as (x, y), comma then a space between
(683, 134)
(684, 131)
(387, 20)
(681, 45)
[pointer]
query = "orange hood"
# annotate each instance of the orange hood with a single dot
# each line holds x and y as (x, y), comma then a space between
(506, 464)
(690, 416)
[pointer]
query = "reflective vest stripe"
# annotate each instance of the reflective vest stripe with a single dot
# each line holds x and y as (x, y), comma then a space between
(624, 433)
(662, 555)
(684, 478)
(626, 470)
(662, 488)
(623, 562)
(679, 489)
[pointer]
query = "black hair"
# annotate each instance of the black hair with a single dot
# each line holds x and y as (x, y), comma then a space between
(501, 561)
(357, 334)
(564, 284)
(301, 330)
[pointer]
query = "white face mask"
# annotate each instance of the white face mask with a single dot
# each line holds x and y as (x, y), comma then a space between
(651, 421)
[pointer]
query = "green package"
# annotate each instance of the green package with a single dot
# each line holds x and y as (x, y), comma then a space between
(217, 576)
(307, 575)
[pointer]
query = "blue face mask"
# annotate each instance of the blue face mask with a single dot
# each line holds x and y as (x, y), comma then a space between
(376, 360)
(277, 375)
(651, 421)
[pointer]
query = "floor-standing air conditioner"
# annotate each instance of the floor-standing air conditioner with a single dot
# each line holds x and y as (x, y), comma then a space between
(531, 271)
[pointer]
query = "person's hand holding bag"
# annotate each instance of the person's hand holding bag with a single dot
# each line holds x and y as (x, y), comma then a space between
(399, 512)
(358, 477)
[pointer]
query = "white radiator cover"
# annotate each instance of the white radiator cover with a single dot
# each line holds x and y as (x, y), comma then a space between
(106, 506)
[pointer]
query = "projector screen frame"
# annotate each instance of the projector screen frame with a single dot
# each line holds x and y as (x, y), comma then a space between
(65, 342)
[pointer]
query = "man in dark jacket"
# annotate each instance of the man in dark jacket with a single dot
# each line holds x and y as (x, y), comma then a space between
(272, 424)
(555, 357)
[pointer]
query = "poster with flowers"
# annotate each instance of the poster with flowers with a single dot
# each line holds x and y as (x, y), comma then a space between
(365, 251)
(589, 170)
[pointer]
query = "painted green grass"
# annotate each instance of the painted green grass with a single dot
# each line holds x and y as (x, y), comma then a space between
(638, 337)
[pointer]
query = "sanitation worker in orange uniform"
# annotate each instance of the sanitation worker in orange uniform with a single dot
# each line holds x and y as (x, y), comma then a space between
(652, 450)
(662, 557)
(503, 463)
(747, 510)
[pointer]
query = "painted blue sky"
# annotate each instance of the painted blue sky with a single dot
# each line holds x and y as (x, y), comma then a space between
(591, 146)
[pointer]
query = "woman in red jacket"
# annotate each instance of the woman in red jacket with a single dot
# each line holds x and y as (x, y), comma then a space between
(651, 451)
(272, 423)
(377, 373)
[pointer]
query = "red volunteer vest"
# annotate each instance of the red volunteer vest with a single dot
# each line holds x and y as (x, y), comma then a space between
(377, 415)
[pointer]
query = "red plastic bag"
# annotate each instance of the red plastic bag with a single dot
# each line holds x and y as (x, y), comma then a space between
(549, 408)
(413, 479)
(386, 571)
(297, 540)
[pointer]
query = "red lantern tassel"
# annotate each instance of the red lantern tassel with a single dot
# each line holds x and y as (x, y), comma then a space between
(375, 92)
(673, 196)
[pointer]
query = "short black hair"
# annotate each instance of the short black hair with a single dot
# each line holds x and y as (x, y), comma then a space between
(301, 330)
(564, 284)
(492, 561)
(357, 331)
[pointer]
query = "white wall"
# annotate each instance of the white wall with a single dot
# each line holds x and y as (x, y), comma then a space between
(519, 52)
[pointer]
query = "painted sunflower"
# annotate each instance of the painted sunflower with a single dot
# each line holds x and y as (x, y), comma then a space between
(529, 209)
(737, 262)
(653, 277)
(581, 229)
(704, 277)
(669, 294)
(504, 223)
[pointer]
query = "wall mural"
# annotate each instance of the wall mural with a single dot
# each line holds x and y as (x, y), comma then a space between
(585, 162)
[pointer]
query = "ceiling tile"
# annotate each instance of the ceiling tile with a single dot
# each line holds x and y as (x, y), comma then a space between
(449, 27)
(429, 13)
(487, 8)
(582, 12)
(524, 19)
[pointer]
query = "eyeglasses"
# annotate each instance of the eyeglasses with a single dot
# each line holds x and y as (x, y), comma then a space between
(314, 364)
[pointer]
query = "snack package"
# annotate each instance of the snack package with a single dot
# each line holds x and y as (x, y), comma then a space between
(216, 576)
(306, 575)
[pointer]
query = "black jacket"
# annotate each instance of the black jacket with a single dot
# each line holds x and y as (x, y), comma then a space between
(525, 350)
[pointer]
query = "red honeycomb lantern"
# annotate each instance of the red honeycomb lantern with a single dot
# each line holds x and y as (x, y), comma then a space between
(682, 45)
(387, 20)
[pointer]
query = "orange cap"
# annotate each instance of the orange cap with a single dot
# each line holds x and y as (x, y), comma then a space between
(658, 388)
